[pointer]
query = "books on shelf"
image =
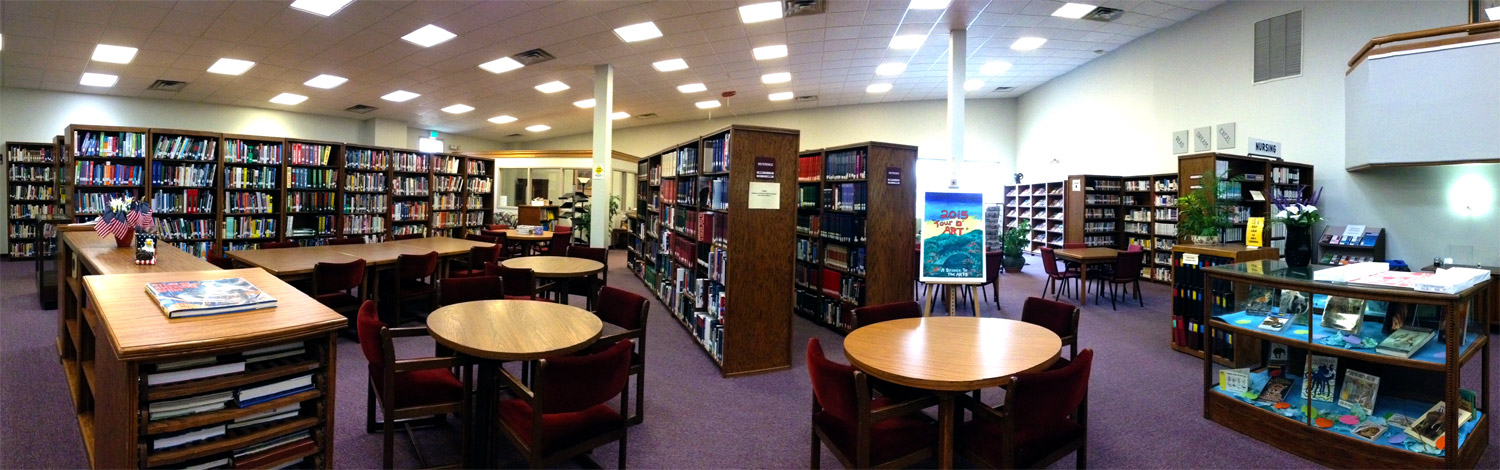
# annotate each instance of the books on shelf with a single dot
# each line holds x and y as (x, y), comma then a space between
(275, 450)
(185, 148)
(1359, 391)
(109, 144)
(1432, 426)
(251, 396)
(248, 152)
(180, 299)
(187, 437)
(284, 412)
(1405, 341)
(310, 154)
(189, 406)
(192, 369)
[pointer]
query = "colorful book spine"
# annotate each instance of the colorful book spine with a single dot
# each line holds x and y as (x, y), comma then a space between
(109, 144)
(185, 148)
(239, 177)
(305, 201)
(248, 203)
(188, 201)
(263, 153)
(365, 203)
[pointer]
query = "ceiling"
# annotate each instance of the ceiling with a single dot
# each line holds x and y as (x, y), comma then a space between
(833, 55)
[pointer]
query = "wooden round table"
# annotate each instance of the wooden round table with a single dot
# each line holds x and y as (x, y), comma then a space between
(491, 331)
(512, 234)
(555, 266)
(950, 355)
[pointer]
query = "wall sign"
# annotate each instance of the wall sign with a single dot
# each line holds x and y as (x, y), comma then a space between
(1179, 142)
(765, 196)
(1255, 232)
(1264, 148)
(1189, 259)
(1203, 139)
(1226, 136)
(893, 175)
(952, 238)
(1077, 185)
(765, 168)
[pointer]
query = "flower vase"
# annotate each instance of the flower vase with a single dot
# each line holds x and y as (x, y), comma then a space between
(1298, 245)
(126, 240)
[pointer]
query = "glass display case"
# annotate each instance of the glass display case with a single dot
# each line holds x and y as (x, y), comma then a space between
(1353, 375)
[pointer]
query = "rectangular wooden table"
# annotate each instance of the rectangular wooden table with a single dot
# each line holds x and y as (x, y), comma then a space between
(1084, 257)
(297, 263)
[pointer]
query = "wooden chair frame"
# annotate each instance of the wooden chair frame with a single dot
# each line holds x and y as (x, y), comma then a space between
(1008, 426)
(867, 418)
(533, 454)
(396, 294)
(637, 362)
(406, 416)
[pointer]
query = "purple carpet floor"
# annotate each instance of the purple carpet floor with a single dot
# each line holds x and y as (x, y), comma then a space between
(1145, 404)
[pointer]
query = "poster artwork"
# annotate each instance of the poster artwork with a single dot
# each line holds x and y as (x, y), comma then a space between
(953, 237)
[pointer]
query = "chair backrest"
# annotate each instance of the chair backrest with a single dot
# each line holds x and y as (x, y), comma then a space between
(1128, 265)
(559, 244)
(491, 233)
(832, 383)
(563, 229)
(1043, 401)
(992, 265)
(410, 236)
(597, 254)
(338, 276)
(518, 281)
(416, 266)
(347, 241)
(865, 316)
(479, 238)
(1133, 248)
(368, 325)
(1075, 245)
(478, 255)
(455, 290)
(1059, 317)
(275, 245)
(212, 256)
(499, 227)
(1049, 261)
(622, 308)
(567, 384)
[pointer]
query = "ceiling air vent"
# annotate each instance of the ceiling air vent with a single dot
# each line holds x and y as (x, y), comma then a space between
(167, 85)
(801, 7)
(533, 57)
(807, 98)
(1104, 14)
(361, 108)
(647, 116)
(514, 135)
(1005, 88)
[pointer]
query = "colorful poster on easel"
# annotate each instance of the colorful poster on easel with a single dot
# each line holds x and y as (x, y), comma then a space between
(953, 238)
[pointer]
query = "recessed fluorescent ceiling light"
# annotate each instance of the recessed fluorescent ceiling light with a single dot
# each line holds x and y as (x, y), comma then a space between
(994, 68)
(638, 32)
(909, 41)
(320, 7)
(428, 36)
(707, 104)
(399, 96)
(502, 119)
(760, 12)
(779, 77)
(552, 87)
(585, 104)
(692, 88)
(458, 109)
(769, 52)
(288, 98)
(974, 84)
(928, 4)
(1028, 43)
(669, 65)
(1493, 13)
(538, 128)
(618, 115)
(1074, 10)
(325, 81)
(878, 88)
(501, 65)
(890, 68)
(782, 96)
(113, 54)
(98, 79)
(231, 66)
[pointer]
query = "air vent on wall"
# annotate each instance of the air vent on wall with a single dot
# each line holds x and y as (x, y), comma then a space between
(801, 7)
(1278, 47)
(533, 57)
(806, 98)
(647, 116)
(1103, 14)
(167, 85)
(360, 108)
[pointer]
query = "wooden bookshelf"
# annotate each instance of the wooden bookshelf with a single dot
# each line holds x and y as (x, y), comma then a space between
(1094, 211)
(1190, 294)
(737, 310)
(312, 179)
(447, 196)
(108, 348)
(479, 189)
(365, 193)
(252, 184)
(183, 169)
(1256, 175)
(1043, 205)
(849, 256)
(32, 192)
(101, 163)
(411, 192)
(1163, 225)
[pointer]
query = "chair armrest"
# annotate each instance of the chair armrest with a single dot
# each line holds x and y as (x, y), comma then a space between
(516, 388)
(904, 408)
(408, 331)
(407, 365)
(980, 410)
(627, 334)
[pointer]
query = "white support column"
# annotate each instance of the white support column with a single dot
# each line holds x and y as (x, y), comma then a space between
(958, 51)
(604, 104)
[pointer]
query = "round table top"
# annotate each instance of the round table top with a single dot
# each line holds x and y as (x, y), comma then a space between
(513, 330)
(951, 353)
(555, 266)
(512, 234)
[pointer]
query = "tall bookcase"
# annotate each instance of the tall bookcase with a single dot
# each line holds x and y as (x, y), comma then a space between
(251, 188)
(849, 256)
(32, 193)
(365, 195)
(1137, 211)
(1043, 205)
(738, 310)
(103, 163)
(1246, 184)
(479, 187)
(447, 195)
(312, 191)
(1095, 211)
(644, 258)
(1163, 225)
(184, 179)
(411, 192)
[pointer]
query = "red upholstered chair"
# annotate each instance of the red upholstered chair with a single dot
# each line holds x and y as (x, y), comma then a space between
(563, 229)
(564, 413)
(410, 236)
(1069, 265)
(212, 256)
(1049, 263)
(498, 227)
(479, 238)
(864, 432)
(590, 286)
(456, 290)
(873, 314)
(275, 245)
(520, 284)
(1044, 419)
(332, 284)
(406, 389)
(1059, 317)
(558, 246)
(347, 241)
(628, 311)
(413, 280)
(478, 256)
(991, 275)
(1127, 271)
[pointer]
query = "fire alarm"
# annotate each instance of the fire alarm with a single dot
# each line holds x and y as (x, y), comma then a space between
(727, 94)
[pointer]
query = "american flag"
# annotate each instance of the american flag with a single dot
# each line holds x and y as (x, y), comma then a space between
(111, 225)
(139, 214)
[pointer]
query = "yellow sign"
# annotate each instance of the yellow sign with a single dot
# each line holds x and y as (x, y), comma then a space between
(598, 170)
(1254, 233)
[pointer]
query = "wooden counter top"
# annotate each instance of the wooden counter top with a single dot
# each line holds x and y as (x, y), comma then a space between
(103, 257)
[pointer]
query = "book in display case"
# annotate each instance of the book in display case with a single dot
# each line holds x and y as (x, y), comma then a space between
(32, 194)
(1352, 374)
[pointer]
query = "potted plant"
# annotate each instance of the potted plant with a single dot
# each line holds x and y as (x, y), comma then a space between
(1299, 215)
(1012, 242)
(1200, 216)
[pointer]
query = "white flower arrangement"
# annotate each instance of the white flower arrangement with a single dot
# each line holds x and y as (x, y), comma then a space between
(1299, 214)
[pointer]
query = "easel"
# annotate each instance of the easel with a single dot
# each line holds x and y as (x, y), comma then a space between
(950, 296)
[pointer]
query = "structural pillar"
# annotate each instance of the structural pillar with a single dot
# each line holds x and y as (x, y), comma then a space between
(604, 104)
(958, 52)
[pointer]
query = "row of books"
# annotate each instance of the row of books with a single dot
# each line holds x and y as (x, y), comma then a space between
(90, 173)
(1102, 185)
(807, 250)
(177, 228)
(365, 204)
(310, 226)
(250, 152)
(810, 168)
(1166, 185)
(715, 194)
(1232, 235)
(27, 230)
(32, 211)
(409, 229)
(817, 307)
(359, 224)
(185, 148)
(364, 182)
(1093, 241)
(1190, 294)
(412, 162)
(310, 154)
(686, 188)
(843, 227)
(1138, 215)
(845, 165)
(846, 196)
(1283, 175)
(480, 185)
(195, 248)
(1097, 213)
(1133, 200)
(445, 202)
(33, 191)
(448, 184)
(28, 249)
(808, 224)
(1098, 226)
(189, 201)
(477, 167)
(95, 202)
(1139, 228)
(1144, 243)
(473, 218)
(712, 227)
(669, 192)
(1165, 200)
(446, 220)
(1102, 199)
(687, 161)
(311, 178)
(851, 259)
(1165, 244)
(1166, 230)
(717, 158)
(410, 186)
(404, 211)
(249, 227)
(446, 164)
(308, 201)
(366, 159)
(30, 155)
(201, 175)
(807, 196)
(682, 249)
(852, 289)
(109, 144)
(718, 264)
(239, 177)
(1166, 214)
(32, 174)
(1138, 185)
(475, 201)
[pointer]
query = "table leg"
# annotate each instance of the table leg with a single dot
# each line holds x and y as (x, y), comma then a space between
(946, 429)
(1083, 283)
(480, 421)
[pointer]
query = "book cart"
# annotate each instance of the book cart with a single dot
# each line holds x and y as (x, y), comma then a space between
(1336, 435)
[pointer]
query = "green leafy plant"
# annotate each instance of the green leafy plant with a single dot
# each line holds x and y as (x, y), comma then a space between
(1199, 212)
(1014, 241)
(614, 208)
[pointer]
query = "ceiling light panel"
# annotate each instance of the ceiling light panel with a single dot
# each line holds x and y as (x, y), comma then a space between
(638, 32)
(710, 104)
(692, 88)
(1028, 43)
(760, 12)
(585, 104)
(502, 119)
(618, 115)
(973, 84)
(230, 66)
(113, 54)
(994, 68)
(878, 88)
(1073, 10)
(539, 128)
(779, 77)
(552, 87)
(782, 96)
(890, 68)
(769, 52)
(98, 79)
(321, 7)
(669, 65)
(908, 41)
(399, 96)
(458, 109)
(928, 4)
(288, 98)
(501, 65)
(428, 36)
(325, 81)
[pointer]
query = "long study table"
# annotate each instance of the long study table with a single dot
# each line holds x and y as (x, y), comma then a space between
(292, 264)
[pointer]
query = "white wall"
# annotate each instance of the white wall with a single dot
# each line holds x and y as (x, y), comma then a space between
(1115, 115)
(465, 143)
